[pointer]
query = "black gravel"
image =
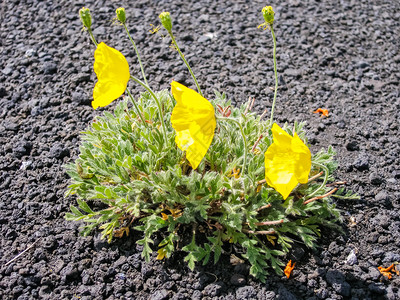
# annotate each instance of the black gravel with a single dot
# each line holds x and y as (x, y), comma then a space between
(339, 55)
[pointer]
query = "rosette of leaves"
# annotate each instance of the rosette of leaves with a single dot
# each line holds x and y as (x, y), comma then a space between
(127, 175)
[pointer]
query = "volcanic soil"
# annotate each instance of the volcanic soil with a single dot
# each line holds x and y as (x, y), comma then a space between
(340, 55)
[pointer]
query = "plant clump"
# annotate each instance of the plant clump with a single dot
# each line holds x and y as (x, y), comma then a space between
(201, 173)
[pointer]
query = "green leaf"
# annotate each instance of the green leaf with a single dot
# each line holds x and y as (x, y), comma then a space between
(75, 211)
(83, 205)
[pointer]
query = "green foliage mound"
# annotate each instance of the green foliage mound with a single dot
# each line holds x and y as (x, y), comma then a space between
(127, 174)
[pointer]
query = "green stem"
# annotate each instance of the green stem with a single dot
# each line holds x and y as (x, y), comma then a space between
(185, 61)
(323, 184)
(276, 77)
(137, 54)
(92, 37)
(157, 102)
(260, 242)
(137, 108)
(244, 140)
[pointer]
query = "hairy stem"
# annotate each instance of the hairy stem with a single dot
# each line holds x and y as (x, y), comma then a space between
(320, 197)
(269, 223)
(157, 102)
(185, 61)
(323, 184)
(244, 140)
(136, 107)
(266, 232)
(276, 77)
(92, 37)
(137, 54)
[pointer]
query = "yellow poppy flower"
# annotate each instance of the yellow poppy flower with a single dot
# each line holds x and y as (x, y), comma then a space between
(193, 119)
(112, 72)
(287, 162)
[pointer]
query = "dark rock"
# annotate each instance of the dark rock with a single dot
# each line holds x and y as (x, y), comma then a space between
(214, 289)
(285, 294)
(197, 295)
(377, 288)
(188, 38)
(44, 292)
(333, 248)
(236, 79)
(99, 30)
(362, 64)
(80, 77)
(22, 148)
(242, 269)
(7, 71)
(246, 292)
(69, 272)
(390, 257)
(81, 98)
(2, 91)
(122, 260)
(361, 163)
(337, 280)
(36, 111)
(59, 151)
(203, 39)
(382, 197)
(375, 179)
(269, 295)
(10, 126)
(390, 295)
(373, 273)
(49, 68)
(293, 72)
(159, 295)
(298, 253)
(351, 258)
(238, 280)
(352, 146)
(146, 270)
(321, 293)
(282, 82)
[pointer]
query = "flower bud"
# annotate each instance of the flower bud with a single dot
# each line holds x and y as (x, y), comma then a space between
(121, 15)
(86, 18)
(268, 14)
(166, 21)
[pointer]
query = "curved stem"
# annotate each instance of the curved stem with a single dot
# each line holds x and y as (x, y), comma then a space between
(136, 107)
(185, 61)
(276, 77)
(244, 140)
(157, 102)
(92, 37)
(137, 54)
(323, 184)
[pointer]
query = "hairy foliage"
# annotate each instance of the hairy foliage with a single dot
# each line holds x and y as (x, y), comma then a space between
(132, 175)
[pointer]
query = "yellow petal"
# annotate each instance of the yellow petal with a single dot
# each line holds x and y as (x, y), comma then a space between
(190, 98)
(193, 119)
(281, 137)
(105, 92)
(202, 142)
(302, 170)
(287, 162)
(112, 70)
(183, 139)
